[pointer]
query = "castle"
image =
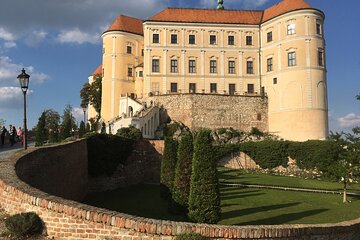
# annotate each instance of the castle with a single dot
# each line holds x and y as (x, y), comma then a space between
(266, 67)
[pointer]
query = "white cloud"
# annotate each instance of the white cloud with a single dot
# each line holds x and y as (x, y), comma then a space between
(5, 35)
(9, 72)
(350, 120)
(78, 114)
(9, 44)
(77, 36)
(35, 37)
(11, 97)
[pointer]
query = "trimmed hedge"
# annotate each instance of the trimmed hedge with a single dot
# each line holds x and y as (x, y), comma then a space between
(106, 152)
(168, 164)
(183, 169)
(204, 199)
(324, 155)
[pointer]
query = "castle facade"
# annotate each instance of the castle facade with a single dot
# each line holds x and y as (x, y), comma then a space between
(277, 53)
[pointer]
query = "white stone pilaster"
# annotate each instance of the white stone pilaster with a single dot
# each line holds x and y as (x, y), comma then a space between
(164, 71)
(309, 91)
(202, 64)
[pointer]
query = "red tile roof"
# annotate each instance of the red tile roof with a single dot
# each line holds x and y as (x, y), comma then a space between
(127, 24)
(98, 71)
(284, 7)
(192, 15)
(207, 16)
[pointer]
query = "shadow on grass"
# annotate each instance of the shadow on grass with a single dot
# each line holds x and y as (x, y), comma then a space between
(240, 195)
(249, 211)
(234, 191)
(284, 218)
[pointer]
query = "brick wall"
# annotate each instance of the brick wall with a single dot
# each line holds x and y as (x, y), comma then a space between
(216, 111)
(66, 219)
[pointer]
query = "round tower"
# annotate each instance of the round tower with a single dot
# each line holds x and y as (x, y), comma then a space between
(294, 72)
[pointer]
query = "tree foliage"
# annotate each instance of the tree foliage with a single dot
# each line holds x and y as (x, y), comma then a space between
(41, 131)
(91, 94)
(168, 164)
(204, 199)
(181, 189)
(130, 132)
(68, 122)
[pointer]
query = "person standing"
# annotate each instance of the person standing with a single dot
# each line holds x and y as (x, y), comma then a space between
(19, 134)
(2, 135)
(12, 133)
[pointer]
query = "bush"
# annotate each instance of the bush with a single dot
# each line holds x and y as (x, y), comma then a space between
(168, 164)
(191, 236)
(255, 131)
(106, 152)
(181, 188)
(171, 128)
(204, 199)
(24, 224)
(130, 132)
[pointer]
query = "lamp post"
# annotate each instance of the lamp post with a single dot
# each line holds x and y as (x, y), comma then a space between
(24, 84)
(84, 110)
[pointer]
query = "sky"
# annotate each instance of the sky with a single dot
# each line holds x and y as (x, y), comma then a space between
(59, 45)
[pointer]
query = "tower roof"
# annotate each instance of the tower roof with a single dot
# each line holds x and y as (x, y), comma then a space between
(98, 71)
(284, 7)
(127, 24)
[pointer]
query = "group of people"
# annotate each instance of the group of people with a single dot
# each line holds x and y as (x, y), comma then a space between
(14, 135)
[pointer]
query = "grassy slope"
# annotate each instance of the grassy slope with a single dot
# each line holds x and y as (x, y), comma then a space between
(237, 176)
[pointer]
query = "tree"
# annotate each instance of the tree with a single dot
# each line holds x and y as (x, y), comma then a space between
(91, 94)
(168, 164)
(82, 129)
(130, 132)
(68, 122)
(181, 188)
(103, 128)
(2, 122)
(204, 199)
(52, 125)
(41, 131)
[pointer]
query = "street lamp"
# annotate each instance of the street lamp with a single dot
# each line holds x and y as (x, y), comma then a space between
(84, 110)
(24, 84)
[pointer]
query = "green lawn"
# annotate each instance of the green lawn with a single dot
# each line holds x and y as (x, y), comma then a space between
(238, 176)
(240, 206)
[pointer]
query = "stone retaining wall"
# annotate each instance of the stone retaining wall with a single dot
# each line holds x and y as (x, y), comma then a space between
(216, 111)
(66, 219)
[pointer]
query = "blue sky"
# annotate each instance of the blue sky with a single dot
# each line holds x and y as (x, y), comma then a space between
(59, 44)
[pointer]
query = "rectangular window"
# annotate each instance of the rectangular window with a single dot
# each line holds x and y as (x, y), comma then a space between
(174, 66)
(231, 40)
(191, 39)
(156, 38)
(274, 81)
(192, 87)
(249, 40)
(213, 88)
(318, 27)
(231, 67)
(130, 72)
(258, 117)
(212, 39)
(173, 87)
(291, 29)
(269, 64)
(291, 59)
(213, 68)
(232, 89)
(269, 37)
(142, 52)
(155, 65)
(192, 66)
(174, 39)
(250, 67)
(155, 88)
(250, 88)
(141, 74)
(321, 58)
(128, 49)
